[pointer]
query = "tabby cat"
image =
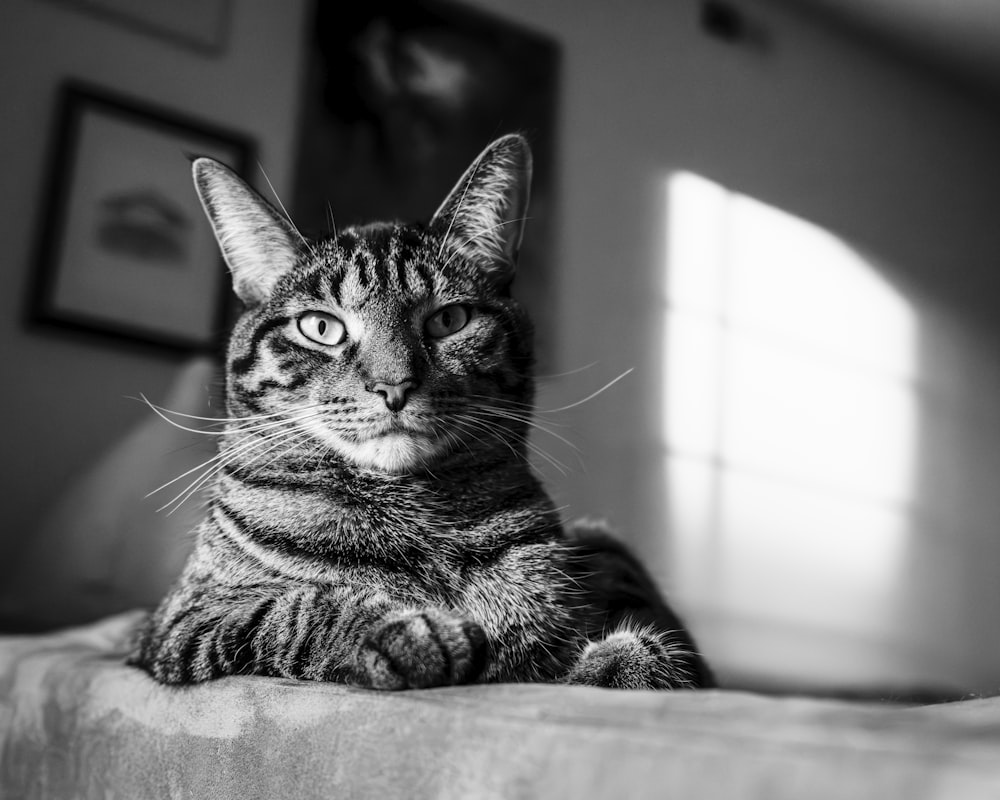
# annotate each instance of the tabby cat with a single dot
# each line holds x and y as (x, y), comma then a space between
(374, 519)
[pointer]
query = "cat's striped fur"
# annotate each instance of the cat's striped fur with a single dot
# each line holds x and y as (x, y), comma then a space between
(374, 519)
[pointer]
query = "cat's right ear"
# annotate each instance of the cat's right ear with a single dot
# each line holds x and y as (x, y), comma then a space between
(258, 244)
(483, 217)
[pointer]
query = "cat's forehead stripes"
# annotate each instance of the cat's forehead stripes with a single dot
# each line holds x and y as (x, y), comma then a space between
(383, 261)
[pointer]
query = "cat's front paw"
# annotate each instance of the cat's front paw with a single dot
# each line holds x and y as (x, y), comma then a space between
(420, 649)
(630, 659)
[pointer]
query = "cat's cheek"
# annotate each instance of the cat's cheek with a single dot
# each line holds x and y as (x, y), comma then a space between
(460, 363)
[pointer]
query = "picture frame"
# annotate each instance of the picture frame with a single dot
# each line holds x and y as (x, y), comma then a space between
(399, 98)
(200, 25)
(124, 248)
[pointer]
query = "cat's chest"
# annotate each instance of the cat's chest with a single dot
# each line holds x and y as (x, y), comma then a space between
(362, 534)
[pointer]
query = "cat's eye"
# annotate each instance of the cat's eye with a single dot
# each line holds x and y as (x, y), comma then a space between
(446, 321)
(322, 328)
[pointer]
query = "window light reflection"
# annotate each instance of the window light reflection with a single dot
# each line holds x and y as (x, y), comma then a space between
(790, 421)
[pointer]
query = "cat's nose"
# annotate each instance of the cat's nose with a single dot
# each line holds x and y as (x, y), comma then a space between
(394, 394)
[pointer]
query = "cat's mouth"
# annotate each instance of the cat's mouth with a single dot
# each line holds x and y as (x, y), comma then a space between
(395, 451)
(394, 444)
(396, 425)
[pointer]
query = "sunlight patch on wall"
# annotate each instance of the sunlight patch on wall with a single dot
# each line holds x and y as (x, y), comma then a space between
(790, 416)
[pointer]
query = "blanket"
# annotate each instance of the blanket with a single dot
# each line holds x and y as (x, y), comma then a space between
(76, 722)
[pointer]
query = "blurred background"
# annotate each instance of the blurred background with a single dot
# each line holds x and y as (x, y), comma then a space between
(779, 214)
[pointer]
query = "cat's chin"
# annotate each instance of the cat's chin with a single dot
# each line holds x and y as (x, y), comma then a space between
(394, 453)
(391, 451)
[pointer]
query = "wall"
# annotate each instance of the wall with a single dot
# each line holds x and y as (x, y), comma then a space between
(65, 396)
(893, 159)
(889, 157)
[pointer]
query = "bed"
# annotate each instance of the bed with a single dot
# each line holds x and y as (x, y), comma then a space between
(76, 722)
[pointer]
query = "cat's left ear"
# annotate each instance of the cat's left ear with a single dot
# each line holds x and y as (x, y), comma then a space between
(258, 244)
(483, 217)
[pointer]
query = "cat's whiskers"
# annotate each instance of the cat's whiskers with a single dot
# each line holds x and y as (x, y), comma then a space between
(505, 402)
(497, 409)
(293, 441)
(504, 435)
(562, 468)
(527, 420)
(292, 427)
(284, 211)
(333, 221)
(472, 427)
(210, 468)
(301, 413)
(531, 408)
(222, 461)
(161, 411)
(567, 373)
(589, 397)
(213, 466)
(456, 441)
(204, 464)
(234, 426)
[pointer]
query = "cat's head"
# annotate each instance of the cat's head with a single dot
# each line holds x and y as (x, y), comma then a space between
(392, 346)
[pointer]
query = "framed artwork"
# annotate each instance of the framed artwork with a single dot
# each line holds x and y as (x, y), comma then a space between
(197, 24)
(124, 247)
(401, 97)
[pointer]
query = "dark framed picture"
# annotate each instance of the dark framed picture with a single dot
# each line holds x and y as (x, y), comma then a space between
(124, 247)
(399, 98)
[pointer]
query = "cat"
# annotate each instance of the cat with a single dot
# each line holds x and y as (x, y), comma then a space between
(374, 519)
